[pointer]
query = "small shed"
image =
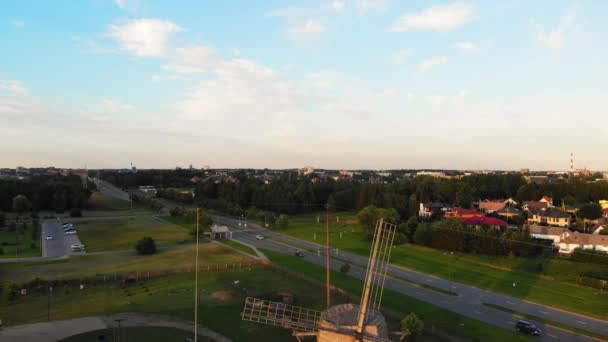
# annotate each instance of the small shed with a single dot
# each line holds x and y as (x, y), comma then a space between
(220, 232)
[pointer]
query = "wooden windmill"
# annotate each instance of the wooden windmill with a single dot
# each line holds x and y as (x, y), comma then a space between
(339, 323)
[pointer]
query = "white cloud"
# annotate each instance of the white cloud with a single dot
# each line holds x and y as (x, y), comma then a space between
(12, 88)
(128, 5)
(196, 59)
(432, 63)
(310, 29)
(112, 106)
(337, 5)
(145, 37)
(399, 57)
(372, 5)
(18, 23)
(556, 39)
(441, 18)
(468, 47)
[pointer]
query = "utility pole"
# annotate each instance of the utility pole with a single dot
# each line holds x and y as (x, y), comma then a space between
(48, 304)
(327, 264)
(196, 279)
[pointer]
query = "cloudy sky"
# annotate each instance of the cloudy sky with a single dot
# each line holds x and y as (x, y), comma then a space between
(333, 84)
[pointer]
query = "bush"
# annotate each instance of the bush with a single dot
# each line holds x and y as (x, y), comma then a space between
(11, 292)
(591, 256)
(32, 245)
(345, 267)
(282, 222)
(146, 246)
(412, 324)
(75, 212)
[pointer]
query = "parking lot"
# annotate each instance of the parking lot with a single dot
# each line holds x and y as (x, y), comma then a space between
(60, 243)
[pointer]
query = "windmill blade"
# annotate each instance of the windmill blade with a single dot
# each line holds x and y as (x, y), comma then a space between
(280, 314)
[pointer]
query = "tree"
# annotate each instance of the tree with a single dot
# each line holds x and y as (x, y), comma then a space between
(591, 211)
(423, 235)
(146, 246)
(369, 215)
(11, 291)
(21, 204)
(75, 212)
(410, 228)
(282, 222)
(345, 267)
(2, 220)
(413, 325)
(412, 207)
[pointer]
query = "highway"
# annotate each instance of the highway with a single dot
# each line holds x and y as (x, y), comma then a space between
(59, 246)
(468, 302)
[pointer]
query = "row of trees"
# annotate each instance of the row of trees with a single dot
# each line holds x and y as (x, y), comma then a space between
(58, 193)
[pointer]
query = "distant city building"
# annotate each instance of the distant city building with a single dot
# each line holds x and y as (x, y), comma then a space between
(206, 167)
(605, 175)
(306, 171)
(525, 171)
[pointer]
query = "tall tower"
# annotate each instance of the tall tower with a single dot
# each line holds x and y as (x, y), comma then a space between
(571, 164)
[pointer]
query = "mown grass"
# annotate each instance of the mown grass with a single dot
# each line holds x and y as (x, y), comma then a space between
(178, 257)
(236, 245)
(101, 202)
(148, 334)
(123, 234)
(20, 242)
(220, 306)
(444, 320)
(549, 281)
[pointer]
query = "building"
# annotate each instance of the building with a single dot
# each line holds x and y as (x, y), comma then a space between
(548, 200)
(605, 213)
(605, 175)
(509, 212)
(305, 171)
(463, 213)
(598, 228)
(489, 207)
(220, 232)
(479, 222)
(547, 233)
(603, 204)
(529, 205)
(148, 190)
(430, 209)
(569, 241)
(524, 171)
(551, 217)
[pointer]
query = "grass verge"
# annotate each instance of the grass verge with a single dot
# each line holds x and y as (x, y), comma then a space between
(236, 245)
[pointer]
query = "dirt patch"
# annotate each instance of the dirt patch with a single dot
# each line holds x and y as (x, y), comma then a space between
(223, 296)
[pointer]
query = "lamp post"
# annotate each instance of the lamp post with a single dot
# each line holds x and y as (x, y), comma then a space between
(196, 276)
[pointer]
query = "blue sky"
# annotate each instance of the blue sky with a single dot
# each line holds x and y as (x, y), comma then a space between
(334, 84)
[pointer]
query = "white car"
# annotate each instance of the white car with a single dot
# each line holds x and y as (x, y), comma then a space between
(259, 237)
(48, 237)
(77, 248)
(71, 232)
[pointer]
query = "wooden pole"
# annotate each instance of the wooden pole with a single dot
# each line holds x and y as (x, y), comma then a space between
(196, 281)
(327, 264)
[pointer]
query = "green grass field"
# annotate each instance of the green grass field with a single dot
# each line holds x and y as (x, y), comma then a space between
(147, 334)
(444, 320)
(123, 233)
(22, 239)
(100, 202)
(239, 246)
(553, 283)
(98, 264)
(220, 307)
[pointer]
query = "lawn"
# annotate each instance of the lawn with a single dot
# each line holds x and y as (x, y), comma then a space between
(101, 202)
(148, 334)
(239, 246)
(549, 281)
(98, 264)
(441, 319)
(19, 243)
(220, 307)
(122, 234)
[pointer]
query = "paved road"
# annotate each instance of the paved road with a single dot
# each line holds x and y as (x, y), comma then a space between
(110, 190)
(59, 246)
(467, 303)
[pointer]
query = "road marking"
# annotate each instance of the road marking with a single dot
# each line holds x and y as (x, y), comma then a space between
(552, 336)
(580, 322)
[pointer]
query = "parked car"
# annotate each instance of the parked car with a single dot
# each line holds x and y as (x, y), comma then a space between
(528, 328)
(77, 248)
(71, 232)
(48, 237)
(259, 237)
(65, 229)
(299, 254)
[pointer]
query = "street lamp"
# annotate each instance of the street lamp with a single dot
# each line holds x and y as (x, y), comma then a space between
(196, 275)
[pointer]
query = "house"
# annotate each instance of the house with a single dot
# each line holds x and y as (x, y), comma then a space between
(429, 209)
(527, 205)
(547, 200)
(148, 189)
(510, 201)
(220, 232)
(569, 241)
(596, 229)
(306, 171)
(605, 213)
(547, 233)
(195, 179)
(463, 213)
(479, 222)
(603, 204)
(509, 212)
(551, 217)
(489, 207)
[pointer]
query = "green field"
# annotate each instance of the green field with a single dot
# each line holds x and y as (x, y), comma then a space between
(239, 246)
(99, 264)
(22, 241)
(552, 283)
(148, 334)
(443, 320)
(220, 307)
(101, 202)
(123, 233)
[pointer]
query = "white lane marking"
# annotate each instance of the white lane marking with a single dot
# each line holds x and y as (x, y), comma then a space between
(510, 303)
(552, 336)
(543, 312)
(580, 322)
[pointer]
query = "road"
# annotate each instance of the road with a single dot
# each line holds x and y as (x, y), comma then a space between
(59, 246)
(468, 302)
(110, 190)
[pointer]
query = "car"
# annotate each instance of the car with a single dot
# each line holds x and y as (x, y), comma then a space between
(68, 228)
(48, 237)
(528, 328)
(259, 237)
(77, 248)
(299, 254)
(67, 225)
(71, 232)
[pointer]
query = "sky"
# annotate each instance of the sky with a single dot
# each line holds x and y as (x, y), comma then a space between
(353, 84)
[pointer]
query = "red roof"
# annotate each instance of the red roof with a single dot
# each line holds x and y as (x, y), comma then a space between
(487, 220)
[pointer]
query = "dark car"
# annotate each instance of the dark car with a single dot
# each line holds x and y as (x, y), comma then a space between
(528, 328)
(299, 254)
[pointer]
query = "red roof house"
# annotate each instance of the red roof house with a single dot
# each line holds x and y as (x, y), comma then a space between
(485, 220)
(463, 213)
